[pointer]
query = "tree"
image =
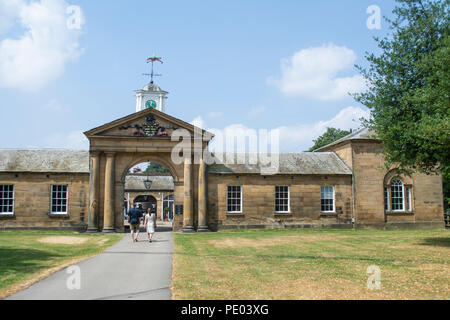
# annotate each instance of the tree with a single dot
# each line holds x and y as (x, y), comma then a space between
(155, 168)
(409, 88)
(331, 135)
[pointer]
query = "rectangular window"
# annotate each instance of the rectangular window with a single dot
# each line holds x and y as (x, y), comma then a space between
(234, 199)
(397, 197)
(282, 199)
(59, 199)
(6, 199)
(408, 199)
(327, 199)
(386, 199)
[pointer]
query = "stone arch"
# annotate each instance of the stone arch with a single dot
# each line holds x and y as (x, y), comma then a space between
(394, 175)
(153, 159)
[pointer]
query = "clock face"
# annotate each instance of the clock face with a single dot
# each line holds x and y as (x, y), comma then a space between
(150, 104)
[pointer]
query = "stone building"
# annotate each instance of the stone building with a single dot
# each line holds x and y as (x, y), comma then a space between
(341, 185)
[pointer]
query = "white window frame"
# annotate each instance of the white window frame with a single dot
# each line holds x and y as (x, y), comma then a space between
(288, 199)
(403, 196)
(408, 198)
(334, 199)
(387, 197)
(228, 198)
(51, 199)
(13, 202)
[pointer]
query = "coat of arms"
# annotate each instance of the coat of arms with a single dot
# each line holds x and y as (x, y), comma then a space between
(150, 128)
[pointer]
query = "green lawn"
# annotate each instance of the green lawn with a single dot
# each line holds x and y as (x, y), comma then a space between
(28, 256)
(311, 264)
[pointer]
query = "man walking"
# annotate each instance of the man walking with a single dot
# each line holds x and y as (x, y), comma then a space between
(134, 218)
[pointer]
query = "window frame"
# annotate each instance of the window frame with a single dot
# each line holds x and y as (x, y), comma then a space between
(51, 199)
(13, 200)
(408, 198)
(240, 199)
(288, 200)
(334, 199)
(403, 196)
(387, 197)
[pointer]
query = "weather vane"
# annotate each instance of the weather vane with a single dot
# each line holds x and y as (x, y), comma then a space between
(152, 60)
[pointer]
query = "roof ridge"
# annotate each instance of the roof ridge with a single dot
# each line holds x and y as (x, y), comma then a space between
(345, 138)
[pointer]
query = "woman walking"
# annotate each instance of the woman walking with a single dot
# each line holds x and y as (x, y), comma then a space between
(150, 223)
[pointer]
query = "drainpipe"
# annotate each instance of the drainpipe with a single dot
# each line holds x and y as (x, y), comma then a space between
(353, 189)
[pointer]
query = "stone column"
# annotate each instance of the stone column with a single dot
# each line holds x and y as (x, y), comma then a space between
(202, 224)
(188, 217)
(108, 220)
(93, 192)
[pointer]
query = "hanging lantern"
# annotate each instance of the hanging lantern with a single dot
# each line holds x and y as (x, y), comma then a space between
(148, 183)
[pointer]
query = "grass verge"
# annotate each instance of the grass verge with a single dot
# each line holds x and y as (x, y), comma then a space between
(311, 264)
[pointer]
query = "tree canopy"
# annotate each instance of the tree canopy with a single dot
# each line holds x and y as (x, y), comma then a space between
(409, 87)
(331, 135)
(155, 168)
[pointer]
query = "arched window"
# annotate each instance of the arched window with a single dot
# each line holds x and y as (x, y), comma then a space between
(397, 197)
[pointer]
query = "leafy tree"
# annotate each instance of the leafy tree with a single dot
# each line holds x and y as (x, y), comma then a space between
(409, 87)
(155, 168)
(331, 135)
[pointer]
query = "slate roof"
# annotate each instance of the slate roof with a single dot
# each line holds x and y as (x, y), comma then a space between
(159, 183)
(289, 163)
(75, 161)
(361, 134)
(44, 160)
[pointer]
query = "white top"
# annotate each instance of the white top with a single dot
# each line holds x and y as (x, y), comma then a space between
(150, 222)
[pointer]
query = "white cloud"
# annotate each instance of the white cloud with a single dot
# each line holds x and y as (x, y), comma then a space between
(198, 122)
(314, 73)
(9, 12)
(299, 138)
(40, 55)
(72, 140)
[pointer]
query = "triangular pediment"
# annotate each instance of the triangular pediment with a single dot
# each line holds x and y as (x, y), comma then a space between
(149, 123)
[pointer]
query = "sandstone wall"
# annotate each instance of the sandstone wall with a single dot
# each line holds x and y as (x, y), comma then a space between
(258, 200)
(32, 201)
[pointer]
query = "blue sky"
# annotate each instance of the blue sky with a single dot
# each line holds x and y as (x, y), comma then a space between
(227, 64)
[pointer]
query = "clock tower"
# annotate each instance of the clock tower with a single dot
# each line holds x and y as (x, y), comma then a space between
(151, 96)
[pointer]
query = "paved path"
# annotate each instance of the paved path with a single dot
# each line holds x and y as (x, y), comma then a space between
(127, 270)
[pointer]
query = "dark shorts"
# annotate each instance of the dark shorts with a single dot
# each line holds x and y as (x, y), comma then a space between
(134, 227)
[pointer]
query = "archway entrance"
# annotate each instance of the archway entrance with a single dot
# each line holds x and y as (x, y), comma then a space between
(145, 202)
(150, 185)
(118, 146)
